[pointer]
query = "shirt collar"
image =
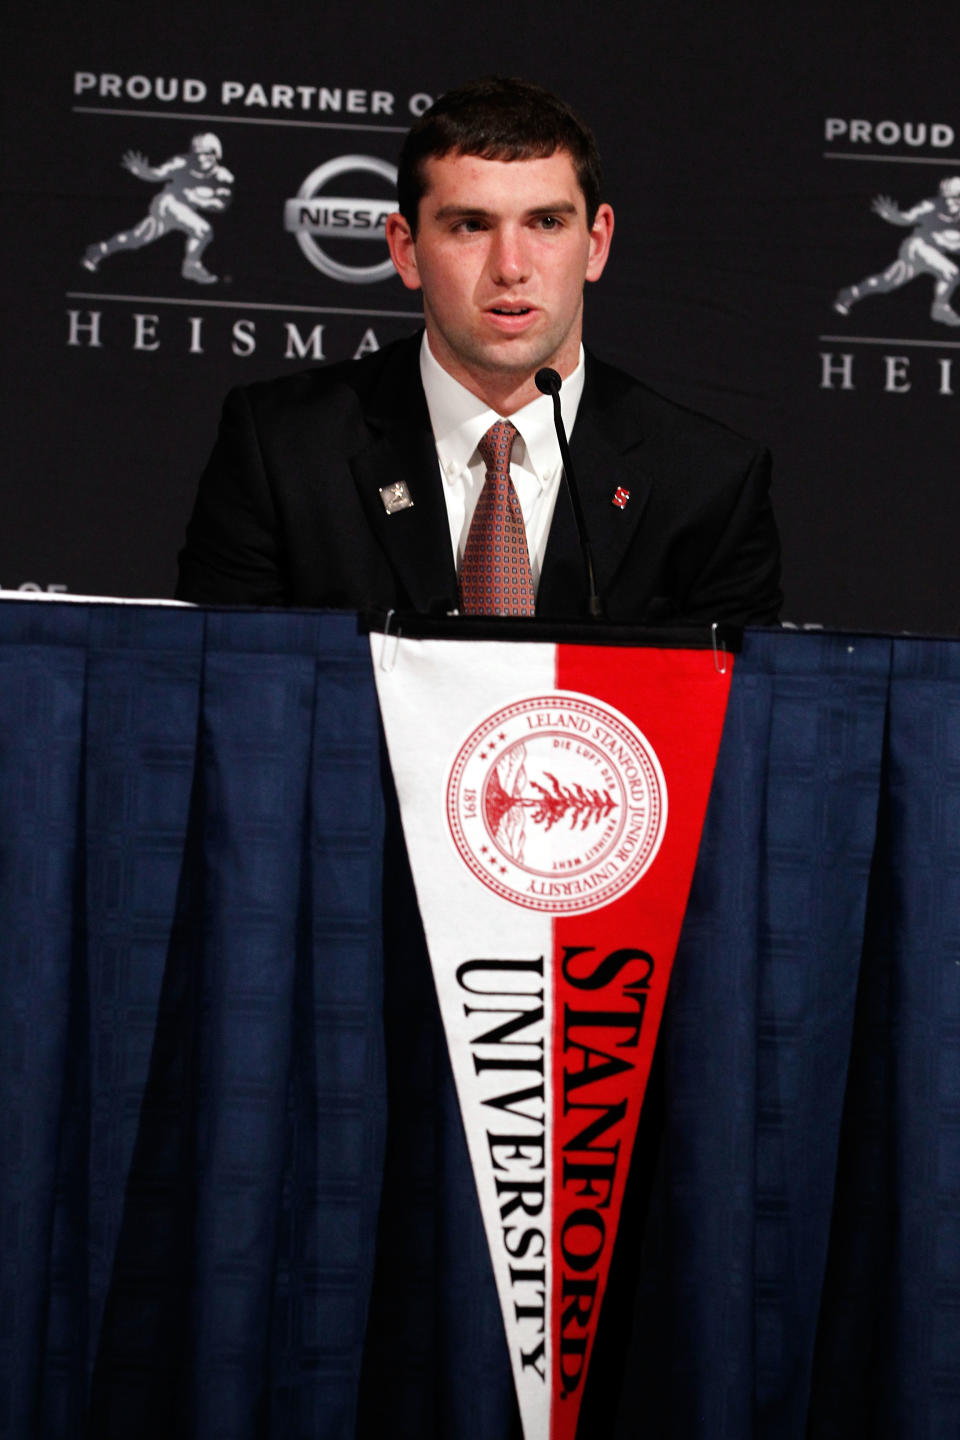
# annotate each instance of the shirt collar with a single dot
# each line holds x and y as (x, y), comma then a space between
(460, 419)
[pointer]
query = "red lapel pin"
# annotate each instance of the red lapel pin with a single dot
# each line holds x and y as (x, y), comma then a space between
(620, 497)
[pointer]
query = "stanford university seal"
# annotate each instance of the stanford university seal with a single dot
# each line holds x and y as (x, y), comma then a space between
(557, 802)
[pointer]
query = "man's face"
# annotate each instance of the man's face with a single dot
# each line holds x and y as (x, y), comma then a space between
(501, 254)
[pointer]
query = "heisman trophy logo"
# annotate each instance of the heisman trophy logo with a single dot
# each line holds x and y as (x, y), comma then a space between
(192, 183)
(557, 803)
(934, 238)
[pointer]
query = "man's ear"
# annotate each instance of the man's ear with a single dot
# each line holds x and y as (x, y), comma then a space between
(601, 234)
(403, 250)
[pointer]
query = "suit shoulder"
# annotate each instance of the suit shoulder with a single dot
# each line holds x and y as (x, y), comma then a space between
(341, 391)
(628, 405)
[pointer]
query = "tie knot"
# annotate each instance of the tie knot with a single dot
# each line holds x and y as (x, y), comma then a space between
(496, 445)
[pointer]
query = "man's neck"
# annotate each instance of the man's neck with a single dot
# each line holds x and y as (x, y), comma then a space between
(506, 394)
(455, 411)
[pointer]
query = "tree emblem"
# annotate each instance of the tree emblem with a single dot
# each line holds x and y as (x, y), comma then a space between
(556, 802)
(508, 796)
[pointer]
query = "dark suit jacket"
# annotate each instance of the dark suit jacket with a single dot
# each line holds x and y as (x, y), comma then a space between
(289, 510)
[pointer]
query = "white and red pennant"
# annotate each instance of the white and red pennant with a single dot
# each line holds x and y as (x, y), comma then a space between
(552, 799)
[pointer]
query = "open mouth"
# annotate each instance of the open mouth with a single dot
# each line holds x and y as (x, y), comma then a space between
(511, 309)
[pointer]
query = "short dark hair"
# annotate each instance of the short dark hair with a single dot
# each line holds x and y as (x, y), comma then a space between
(497, 118)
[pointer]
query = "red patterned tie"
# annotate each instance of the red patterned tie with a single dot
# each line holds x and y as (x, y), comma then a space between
(495, 576)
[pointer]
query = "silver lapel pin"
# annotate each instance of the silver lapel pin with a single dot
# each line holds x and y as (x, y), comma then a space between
(396, 497)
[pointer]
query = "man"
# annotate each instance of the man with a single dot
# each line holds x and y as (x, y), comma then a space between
(381, 482)
(193, 182)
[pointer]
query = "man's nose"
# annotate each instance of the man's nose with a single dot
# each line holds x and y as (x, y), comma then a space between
(510, 261)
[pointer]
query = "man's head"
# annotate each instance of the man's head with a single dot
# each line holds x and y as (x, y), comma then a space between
(500, 227)
(496, 119)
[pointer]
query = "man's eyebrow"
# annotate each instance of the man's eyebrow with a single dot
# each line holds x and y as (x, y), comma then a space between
(451, 212)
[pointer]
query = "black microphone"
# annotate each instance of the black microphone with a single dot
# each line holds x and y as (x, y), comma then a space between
(548, 382)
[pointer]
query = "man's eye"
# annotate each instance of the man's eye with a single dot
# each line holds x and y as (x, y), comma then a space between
(470, 227)
(550, 222)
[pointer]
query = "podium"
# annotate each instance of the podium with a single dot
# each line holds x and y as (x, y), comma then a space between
(236, 1197)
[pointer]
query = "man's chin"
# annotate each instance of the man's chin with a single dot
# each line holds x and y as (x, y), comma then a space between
(520, 356)
(494, 364)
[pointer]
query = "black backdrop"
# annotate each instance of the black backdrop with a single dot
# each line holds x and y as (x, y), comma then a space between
(741, 212)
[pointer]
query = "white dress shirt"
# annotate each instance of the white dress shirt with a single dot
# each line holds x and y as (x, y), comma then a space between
(460, 420)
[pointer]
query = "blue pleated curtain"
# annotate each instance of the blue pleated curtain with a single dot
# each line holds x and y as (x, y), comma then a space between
(235, 1195)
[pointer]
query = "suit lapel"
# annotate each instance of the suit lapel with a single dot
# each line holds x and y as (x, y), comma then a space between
(605, 447)
(401, 448)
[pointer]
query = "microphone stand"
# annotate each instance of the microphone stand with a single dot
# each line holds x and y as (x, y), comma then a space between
(548, 382)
